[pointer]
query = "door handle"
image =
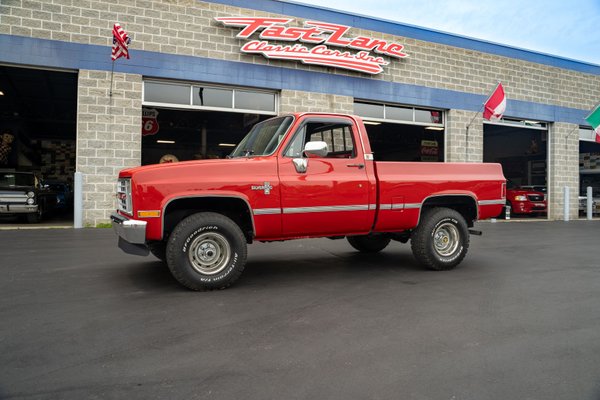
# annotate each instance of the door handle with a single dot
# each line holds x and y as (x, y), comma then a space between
(359, 166)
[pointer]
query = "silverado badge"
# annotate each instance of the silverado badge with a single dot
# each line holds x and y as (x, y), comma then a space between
(266, 187)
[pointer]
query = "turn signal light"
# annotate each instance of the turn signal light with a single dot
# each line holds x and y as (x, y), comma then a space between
(149, 214)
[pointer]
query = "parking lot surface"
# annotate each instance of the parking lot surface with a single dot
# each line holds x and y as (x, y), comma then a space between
(308, 319)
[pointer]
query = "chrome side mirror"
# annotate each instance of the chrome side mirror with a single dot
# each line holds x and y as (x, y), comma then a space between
(316, 149)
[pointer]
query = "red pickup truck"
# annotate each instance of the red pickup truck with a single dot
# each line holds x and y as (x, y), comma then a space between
(299, 176)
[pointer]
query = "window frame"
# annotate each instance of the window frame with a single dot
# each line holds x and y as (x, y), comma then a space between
(195, 85)
(329, 121)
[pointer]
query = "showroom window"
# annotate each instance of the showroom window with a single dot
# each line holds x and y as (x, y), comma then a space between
(399, 114)
(192, 121)
(199, 96)
(403, 133)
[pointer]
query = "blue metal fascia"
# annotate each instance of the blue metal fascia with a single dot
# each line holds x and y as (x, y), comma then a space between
(74, 56)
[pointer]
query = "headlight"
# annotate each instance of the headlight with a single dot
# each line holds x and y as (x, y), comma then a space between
(520, 198)
(30, 194)
(30, 200)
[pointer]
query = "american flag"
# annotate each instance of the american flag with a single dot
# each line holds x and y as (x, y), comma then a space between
(120, 43)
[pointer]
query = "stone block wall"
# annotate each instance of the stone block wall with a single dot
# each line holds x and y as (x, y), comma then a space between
(297, 101)
(460, 145)
(563, 169)
(187, 27)
(108, 137)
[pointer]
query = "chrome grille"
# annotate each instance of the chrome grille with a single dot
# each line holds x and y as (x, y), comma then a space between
(14, 198)
(124, 195)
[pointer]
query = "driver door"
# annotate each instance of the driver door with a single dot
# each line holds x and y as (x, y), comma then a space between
(332, 195)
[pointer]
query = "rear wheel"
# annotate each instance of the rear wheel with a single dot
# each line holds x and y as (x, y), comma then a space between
(369, 243)
(206, 251)
(441, 240)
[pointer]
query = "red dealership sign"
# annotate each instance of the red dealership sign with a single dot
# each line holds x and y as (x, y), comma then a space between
(322, 35)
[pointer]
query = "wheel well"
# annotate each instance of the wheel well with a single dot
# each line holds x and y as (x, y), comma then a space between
(465, 205)
(235, 209)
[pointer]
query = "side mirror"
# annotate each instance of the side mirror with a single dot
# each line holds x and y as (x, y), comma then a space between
(316, 149)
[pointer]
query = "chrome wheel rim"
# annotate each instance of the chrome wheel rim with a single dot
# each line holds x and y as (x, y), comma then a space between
(209, 253)
(446, 239)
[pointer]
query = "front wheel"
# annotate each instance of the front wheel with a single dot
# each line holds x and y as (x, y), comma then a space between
(35, 217)
(441, 240)
(206, 251)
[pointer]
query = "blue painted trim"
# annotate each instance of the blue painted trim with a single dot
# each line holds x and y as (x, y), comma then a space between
(74, 56)
(395, 28)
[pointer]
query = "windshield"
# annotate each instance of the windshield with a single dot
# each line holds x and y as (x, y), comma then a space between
(264, 138)
(15, 179)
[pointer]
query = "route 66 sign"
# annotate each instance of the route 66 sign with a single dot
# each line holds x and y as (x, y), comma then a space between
(149, 121)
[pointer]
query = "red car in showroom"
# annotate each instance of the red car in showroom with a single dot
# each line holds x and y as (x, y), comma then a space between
(527, 200)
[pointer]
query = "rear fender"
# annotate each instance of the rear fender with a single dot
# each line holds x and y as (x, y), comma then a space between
(465, 203)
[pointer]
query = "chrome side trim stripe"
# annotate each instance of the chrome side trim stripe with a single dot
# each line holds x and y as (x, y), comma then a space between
(360, 207)
(399, 206)
(267, 211)
(302, 210)
(491, 202)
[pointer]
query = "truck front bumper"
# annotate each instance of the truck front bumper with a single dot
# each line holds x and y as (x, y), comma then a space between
(132, 234)
(18, 208)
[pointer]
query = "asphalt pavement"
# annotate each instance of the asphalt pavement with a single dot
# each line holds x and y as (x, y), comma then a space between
(308, 319)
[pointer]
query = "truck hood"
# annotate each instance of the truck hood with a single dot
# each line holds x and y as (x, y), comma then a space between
(179, 166)
(197, 175)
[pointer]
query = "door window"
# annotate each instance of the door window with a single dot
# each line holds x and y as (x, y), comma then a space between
(338, 136)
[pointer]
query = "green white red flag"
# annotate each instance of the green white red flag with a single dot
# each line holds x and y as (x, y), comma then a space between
(594, 120)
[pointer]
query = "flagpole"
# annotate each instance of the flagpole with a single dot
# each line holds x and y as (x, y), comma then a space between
(112, 72)
(572, 131)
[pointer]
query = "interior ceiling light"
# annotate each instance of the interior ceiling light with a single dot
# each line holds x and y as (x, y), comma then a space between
(227, 145)
(371, 123)
(166, 141)
(1, 93)
(434, 128)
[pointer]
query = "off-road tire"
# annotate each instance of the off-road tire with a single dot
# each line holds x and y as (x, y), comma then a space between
(441, 240)
(206, 251)
(369, 243)
(159, 250)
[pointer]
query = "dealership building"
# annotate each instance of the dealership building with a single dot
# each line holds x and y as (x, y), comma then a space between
(200, 74)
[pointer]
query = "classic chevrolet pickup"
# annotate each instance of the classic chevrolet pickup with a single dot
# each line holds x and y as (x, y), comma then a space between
(299, 176)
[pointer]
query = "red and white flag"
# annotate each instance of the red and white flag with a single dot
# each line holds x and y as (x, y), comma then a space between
(494, 107)
(120, 42)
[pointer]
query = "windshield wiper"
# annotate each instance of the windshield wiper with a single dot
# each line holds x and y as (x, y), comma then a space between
(247, 152)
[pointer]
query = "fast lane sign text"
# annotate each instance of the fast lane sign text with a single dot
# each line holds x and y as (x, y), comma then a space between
(322, 35)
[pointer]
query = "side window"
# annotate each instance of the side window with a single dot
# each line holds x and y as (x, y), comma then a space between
(338, 136)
